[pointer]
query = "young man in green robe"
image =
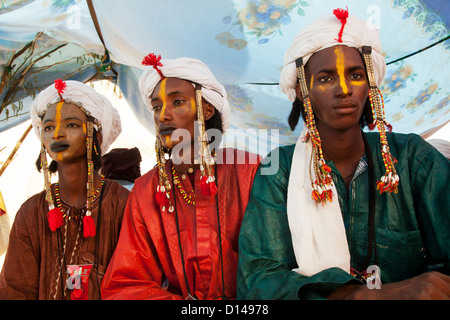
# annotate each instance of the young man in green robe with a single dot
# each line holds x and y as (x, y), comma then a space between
(349, 214)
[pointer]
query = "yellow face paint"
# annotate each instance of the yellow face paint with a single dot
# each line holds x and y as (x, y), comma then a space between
(59, 156)
(193, 105)
(340, 68)
(163, 96)
(316, 86)
(84, 128)
(168, 142)
(58, 118)
(358, 83)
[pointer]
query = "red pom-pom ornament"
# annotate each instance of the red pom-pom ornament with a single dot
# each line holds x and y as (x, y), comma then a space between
(88, 225)
(55, 218)
(154, 61)
(208, 185)
(342, 15)
(60, 86)
(161, 196)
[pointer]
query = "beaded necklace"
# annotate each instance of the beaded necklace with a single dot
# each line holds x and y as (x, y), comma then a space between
(69, 216)
(189, 197)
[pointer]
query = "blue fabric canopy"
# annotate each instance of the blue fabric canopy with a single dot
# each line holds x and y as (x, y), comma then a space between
(243, 42)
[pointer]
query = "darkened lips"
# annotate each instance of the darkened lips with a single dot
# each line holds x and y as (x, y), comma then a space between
(59, 147)
(166, 130)
(345, 107)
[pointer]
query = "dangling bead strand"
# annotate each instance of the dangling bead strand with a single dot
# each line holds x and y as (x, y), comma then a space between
(162, 195)
(390, 180)
(88, 220)
(54, 215)
(207, 178)
(321, 186)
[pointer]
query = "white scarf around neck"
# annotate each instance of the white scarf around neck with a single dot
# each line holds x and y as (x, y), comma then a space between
(318, 232)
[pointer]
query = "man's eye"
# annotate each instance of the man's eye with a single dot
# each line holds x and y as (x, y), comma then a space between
(178, 102)
(325, 79)
(156, 108)
(48, 128)
(72, 125)
(356, 76)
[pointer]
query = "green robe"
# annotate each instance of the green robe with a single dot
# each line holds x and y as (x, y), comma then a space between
(412, 227)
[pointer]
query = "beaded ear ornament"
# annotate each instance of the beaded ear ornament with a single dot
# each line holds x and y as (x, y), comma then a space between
(162, 195)
(321, 186)
(390, 180)
(204, 158)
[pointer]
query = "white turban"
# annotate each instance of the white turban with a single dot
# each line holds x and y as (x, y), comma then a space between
(191, 70)
(93, 102)
(321, 34)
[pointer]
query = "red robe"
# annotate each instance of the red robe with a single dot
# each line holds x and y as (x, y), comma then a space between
(147, 262)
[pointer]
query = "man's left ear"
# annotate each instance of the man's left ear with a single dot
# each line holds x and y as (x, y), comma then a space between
(298, 92)
(208, 111)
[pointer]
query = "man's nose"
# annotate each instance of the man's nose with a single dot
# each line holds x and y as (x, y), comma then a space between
(343, 87)
(60, 132)
(166, 113)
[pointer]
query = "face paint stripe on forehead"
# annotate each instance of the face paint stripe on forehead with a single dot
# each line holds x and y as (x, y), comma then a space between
(341, 68)
(58, 118)
(163, 96)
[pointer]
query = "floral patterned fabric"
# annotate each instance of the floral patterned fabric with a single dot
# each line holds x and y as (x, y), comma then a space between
(242, 41)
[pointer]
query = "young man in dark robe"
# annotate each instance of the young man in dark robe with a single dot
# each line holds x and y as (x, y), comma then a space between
(63, 238)
(349, 214)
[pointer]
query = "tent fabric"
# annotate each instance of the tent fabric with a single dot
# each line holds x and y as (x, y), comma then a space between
(242, 41)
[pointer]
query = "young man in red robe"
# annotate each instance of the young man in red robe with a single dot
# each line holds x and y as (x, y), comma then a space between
(179, 237)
